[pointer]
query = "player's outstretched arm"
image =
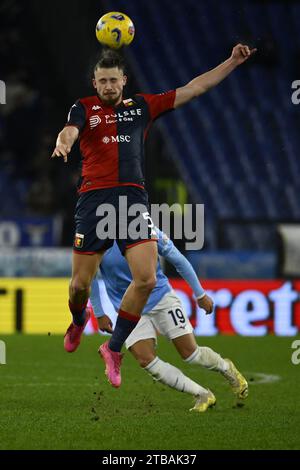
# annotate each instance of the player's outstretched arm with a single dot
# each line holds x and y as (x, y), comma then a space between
(203, 83)
(65, 141)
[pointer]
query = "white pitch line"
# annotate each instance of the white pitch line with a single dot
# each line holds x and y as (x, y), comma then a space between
(263, 378)
(260, 378)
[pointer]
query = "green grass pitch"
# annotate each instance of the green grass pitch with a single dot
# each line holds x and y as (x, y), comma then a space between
(54, 400)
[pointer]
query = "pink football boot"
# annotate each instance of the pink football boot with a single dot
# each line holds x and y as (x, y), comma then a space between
(113, 362)
(74, 332)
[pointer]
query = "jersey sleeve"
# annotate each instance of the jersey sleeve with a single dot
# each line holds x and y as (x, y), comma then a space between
(168, 250)
(96, 299)
(160, 103)
(164, 244)
(76, 116)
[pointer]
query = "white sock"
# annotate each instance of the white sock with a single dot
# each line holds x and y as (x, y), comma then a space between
(208, 358)
(173, 377)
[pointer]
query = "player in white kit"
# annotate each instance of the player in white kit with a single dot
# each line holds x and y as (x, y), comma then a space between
(164, 314)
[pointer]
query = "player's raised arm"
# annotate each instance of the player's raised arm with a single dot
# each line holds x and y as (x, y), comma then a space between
(65, 140)
(203, 83)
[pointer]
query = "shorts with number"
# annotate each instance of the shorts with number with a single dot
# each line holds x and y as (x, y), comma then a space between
(89, 238)
(168, 318)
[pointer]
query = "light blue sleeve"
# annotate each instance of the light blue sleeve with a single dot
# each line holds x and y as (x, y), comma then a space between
(95, 299)
(168, 250)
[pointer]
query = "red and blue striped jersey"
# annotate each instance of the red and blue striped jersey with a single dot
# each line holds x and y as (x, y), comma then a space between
(112, 137)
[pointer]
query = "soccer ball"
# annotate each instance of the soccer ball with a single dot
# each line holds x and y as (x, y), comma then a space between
(115, 30)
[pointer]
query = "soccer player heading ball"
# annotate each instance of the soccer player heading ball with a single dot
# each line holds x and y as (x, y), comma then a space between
(111, 132)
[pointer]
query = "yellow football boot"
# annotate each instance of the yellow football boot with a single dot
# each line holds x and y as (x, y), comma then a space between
(237, 382)
(204, 401)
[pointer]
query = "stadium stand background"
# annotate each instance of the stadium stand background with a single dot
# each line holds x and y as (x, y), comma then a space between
(234, 149)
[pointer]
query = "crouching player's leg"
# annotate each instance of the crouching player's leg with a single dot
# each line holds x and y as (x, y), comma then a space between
(141, 343)
(193, 354)
(171, 320)
(83, 272)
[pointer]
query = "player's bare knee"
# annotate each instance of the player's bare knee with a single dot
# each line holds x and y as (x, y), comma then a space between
(79, 286)
(146, 284)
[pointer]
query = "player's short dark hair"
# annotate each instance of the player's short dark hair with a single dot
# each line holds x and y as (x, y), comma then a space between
(110, 59)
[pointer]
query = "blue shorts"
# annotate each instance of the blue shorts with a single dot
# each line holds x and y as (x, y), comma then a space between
(105, 215)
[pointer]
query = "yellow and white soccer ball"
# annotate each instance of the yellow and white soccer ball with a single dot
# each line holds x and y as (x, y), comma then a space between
(115, 30)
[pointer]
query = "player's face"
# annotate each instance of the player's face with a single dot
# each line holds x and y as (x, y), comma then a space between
(109, 84)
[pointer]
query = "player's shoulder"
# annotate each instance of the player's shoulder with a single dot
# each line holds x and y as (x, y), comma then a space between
(143, 97)
(158, 101)
(90, 101)
(139, 98)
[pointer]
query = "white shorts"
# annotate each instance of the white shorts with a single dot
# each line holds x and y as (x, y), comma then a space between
(168, 318)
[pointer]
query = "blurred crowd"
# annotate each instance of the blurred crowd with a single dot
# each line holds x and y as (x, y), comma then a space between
(30, 183)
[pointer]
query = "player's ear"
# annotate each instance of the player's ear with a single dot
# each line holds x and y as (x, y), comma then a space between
(124, 79)
(94, 83)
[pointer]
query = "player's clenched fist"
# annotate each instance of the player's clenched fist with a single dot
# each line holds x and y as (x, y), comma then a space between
(61, 150)
(241, 52)
(105, 324)
(206, 303)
